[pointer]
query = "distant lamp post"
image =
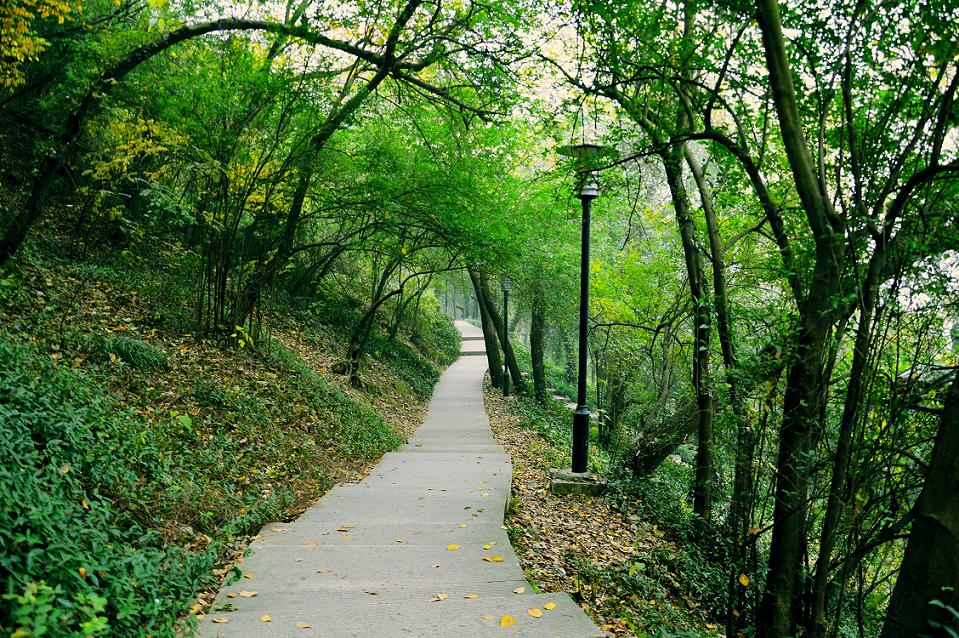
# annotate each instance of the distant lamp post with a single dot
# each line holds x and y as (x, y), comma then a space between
(506, 335)
(587, 156)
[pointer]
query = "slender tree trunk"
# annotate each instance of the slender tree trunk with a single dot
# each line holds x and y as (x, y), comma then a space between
(930, 566)
(743, 482)
(489, 335)
(838, 490)
(703, 482)
(515, 378)
(536, 345)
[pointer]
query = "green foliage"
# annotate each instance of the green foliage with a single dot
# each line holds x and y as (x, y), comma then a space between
(76, 562)
(135, 352)
(358, 430)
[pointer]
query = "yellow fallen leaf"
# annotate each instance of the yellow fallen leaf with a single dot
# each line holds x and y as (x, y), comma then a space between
(277, 529)
(343, 529)
(303, 625)
(265, 618)
(470, 596)
(346, 538)
(248, 594)
(710, 626)
(399, 540)
(497, 558)
(487, 559)
(549, 606)
(519, 590)
(462, 525)
(83, 572)
(507, 621)
(323, 571)
(487, 546)
(452, 547)
(248, 575)
(534, 612)
(220, 621)
(438, 597)
(486, 617)
(232, 594)
(744, 580)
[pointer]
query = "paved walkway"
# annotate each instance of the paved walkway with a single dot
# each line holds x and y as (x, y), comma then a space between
(415, 549)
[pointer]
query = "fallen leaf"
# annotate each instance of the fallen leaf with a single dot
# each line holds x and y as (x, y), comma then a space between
(220, 621)
(744, 580)
(549, 606)
(323, 571)
(462, 525)
(519, 590)
(496, 558)
(346, 538)
(452, 547)
(487, 546)
(343, 529)
(303, 625)
(83, 572)
(265, 618)
(232, 594)
(535, 613)
(487, 559)
(248, 594)
(438, 597)
(470, 596)
(486, 617)
(248, 575)
(399, 540)
(277, 529)
(507, 621)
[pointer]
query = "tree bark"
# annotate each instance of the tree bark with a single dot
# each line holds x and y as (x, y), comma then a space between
(516, 378)
(536, 346)
(702, 487)
(930, 566)
(490, 337)
(781, 604)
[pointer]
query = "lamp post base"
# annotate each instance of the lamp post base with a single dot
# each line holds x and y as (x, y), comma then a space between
(569, 482)
(580, 439)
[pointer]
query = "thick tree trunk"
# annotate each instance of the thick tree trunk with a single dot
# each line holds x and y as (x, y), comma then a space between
(930, 566)
(782, 604)
(490, 337)
(537, 336)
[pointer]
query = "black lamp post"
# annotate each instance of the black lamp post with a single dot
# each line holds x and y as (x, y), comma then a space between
(586, 154)
(506, 334)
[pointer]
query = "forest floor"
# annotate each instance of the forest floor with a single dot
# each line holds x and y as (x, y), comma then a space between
(585, 546)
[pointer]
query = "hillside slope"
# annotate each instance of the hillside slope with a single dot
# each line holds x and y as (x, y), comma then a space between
(136, 459)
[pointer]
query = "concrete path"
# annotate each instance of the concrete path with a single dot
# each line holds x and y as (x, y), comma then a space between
(415, 549)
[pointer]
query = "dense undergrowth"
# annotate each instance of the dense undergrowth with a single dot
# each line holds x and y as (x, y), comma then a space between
(136, 458)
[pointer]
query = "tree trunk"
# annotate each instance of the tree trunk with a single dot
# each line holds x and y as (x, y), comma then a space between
(930, 566)
(515, 378)
(703, 482)
(838, 490)
(782, 603)
(536, 346)
(489, 334)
